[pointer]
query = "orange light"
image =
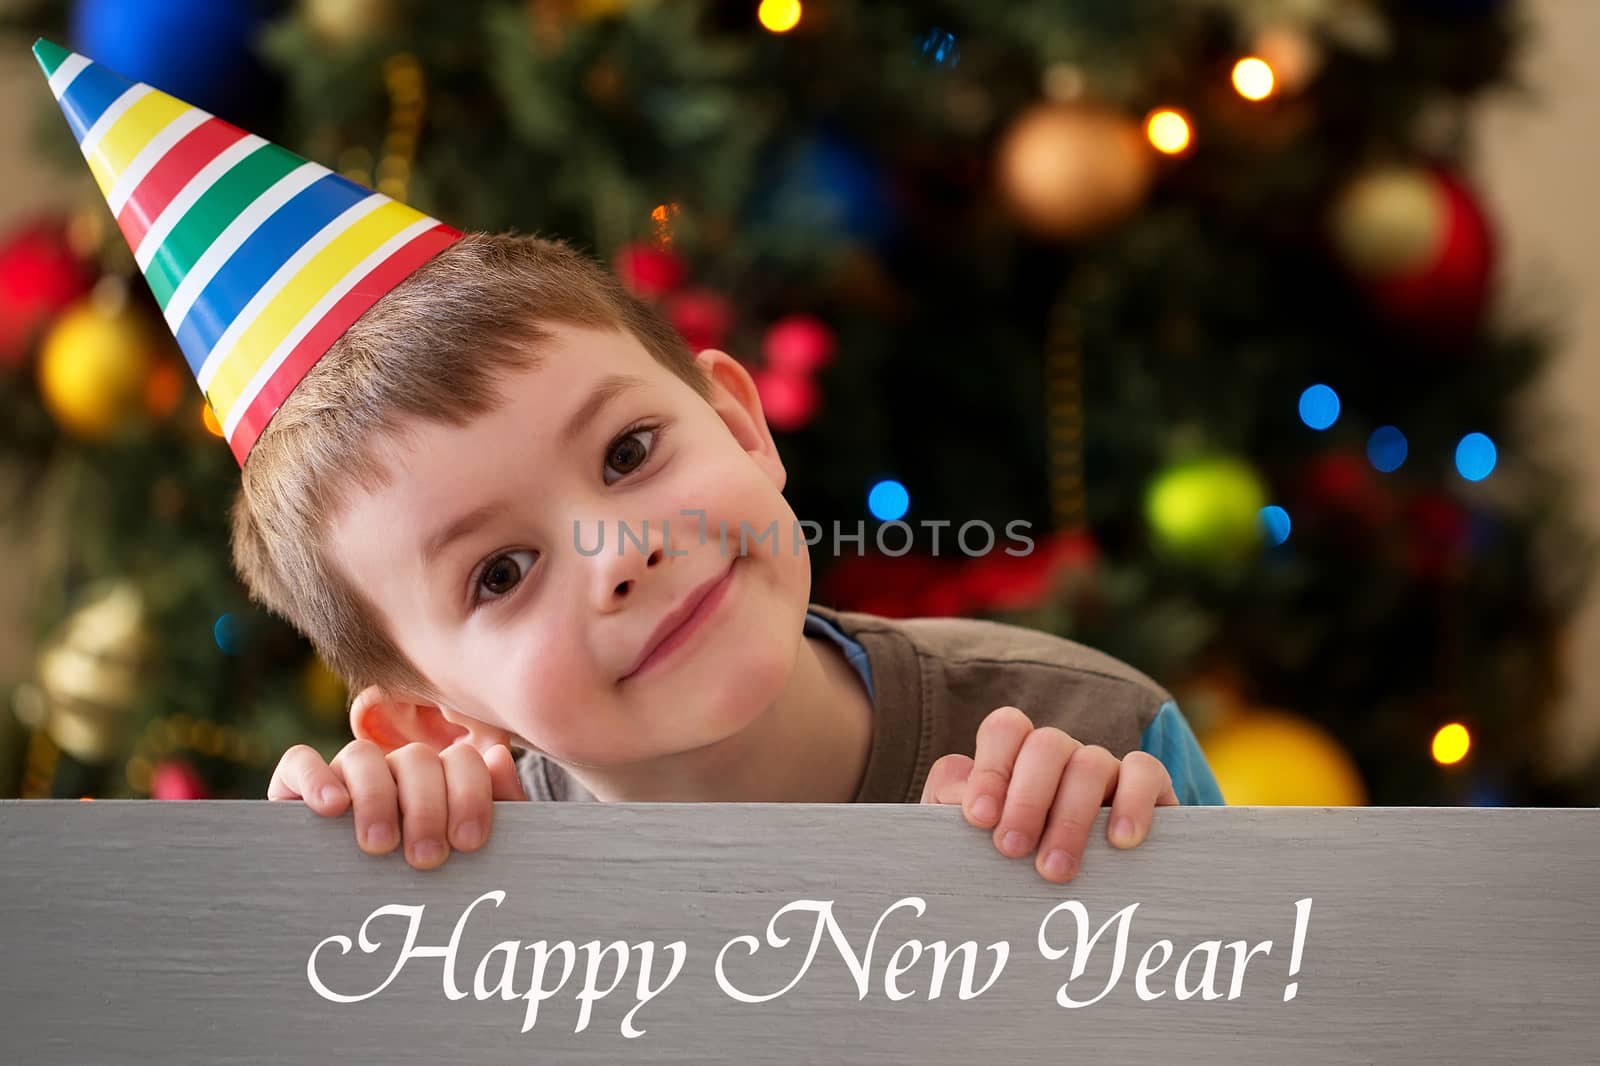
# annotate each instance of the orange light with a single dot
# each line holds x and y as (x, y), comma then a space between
(1168, 131)
(1451, 743)
(779, 16)
(1253, 78)
(663, 216)
(209, 416)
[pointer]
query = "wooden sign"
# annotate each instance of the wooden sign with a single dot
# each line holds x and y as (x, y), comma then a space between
(232, 932)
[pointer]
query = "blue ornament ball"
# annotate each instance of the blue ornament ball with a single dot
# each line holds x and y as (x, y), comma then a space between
(197, 50)
(827, 182)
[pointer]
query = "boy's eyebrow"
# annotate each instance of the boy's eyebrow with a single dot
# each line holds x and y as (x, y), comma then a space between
(609, 388)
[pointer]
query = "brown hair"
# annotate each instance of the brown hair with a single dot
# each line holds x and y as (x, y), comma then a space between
(432, 348)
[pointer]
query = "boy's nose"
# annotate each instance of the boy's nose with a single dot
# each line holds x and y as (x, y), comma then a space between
(617, 575)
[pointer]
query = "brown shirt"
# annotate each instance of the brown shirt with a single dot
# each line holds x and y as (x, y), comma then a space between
(935, 679)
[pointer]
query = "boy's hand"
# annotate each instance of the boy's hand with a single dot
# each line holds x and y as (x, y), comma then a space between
(1025, 781)
(414, 789)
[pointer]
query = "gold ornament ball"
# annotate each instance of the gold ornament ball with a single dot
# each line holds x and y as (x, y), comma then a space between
(324, 692)
(92, 669)
(1207, 509)
(93, 368)
(1070, 169)
(1389, 222)
(1269, 758)
(347, 21)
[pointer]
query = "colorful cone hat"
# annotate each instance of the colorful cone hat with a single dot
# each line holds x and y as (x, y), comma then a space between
(259, 259)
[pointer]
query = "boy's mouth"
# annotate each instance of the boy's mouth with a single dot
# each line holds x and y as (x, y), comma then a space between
(682, 621)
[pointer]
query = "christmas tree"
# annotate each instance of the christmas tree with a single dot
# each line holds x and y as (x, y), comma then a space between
(1196, 292)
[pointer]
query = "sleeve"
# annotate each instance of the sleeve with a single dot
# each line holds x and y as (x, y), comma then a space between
(1169, 738)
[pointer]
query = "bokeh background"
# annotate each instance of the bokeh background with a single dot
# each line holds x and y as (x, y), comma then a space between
(1276, 319)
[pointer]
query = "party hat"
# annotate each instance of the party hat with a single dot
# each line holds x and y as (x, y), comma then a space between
(259, 259)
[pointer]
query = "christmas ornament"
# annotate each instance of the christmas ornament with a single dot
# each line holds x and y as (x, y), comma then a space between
(648, 270)
(1001, 582)
(1072, 169)
(1269, 758)
(827, 183)
(1206, 510)
(799, 344)
(176, 779)
(1293, 54)
(94, 367)
(346, 22)
(89, 674)
(194, 49)
(1340, 487)
(39, 277)
(324, 693)
(262, 262)
(1422, 247)
(702, 316)
(789, 400)
(1439, 535)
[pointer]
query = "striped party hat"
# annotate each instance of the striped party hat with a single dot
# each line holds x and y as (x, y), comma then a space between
(259, 259)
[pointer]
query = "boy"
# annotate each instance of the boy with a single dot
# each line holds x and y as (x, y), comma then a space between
(434, 428)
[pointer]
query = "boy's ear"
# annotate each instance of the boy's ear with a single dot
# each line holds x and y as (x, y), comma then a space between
(735, 398)
(392, 721)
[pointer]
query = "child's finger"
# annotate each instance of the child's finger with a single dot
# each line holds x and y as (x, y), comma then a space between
(420, 784)
(503, 776)
(469, 801)
(301, 774)
(1089, 781)
(1000, 737)
(947, 779)
(365, 771)
(1035, 781)
(1143, 784)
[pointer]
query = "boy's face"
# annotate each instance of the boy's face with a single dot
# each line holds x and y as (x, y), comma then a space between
(520, 629)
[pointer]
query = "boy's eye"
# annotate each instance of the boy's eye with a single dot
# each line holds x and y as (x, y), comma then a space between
(629, 451)
(502, 575)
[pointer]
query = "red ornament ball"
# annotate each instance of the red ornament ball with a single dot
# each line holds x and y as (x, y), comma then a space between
(789, 400)
(800, 344)
(39, 277)
(702, 316)
(175, 779)
(649, 270)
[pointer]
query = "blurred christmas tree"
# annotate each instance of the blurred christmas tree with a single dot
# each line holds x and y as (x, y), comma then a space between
(1196, 287)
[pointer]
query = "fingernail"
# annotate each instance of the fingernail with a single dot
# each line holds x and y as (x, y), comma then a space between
(1015, 843)
(984, 809)
(329, 796)
(1057, 863)
(468, 834)
(428, 851)
(1122, 831)
(380, 835)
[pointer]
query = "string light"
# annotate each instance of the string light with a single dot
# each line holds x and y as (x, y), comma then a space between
(1319, 407)
(663, 216)
(1387, 449)
(888, 501)
(1451, 743)
(779, 16)
(1275, 524)
(1168, 131)
(1476, 457)
(1253, 78)
(209, 417)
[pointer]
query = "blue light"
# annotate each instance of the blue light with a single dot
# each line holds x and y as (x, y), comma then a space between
(1275, 524)
(939, 47)
(1475, 457)
(229, 634)
(888, 501)
(1319, 407)
(1387, 449)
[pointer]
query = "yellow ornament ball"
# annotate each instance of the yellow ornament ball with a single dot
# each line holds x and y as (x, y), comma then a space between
(1206, 510)
(1390, 222)
(1070, 169)
(94, 366)
(1269, 758)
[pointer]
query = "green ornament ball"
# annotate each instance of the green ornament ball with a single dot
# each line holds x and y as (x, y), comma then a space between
(1206, 510)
